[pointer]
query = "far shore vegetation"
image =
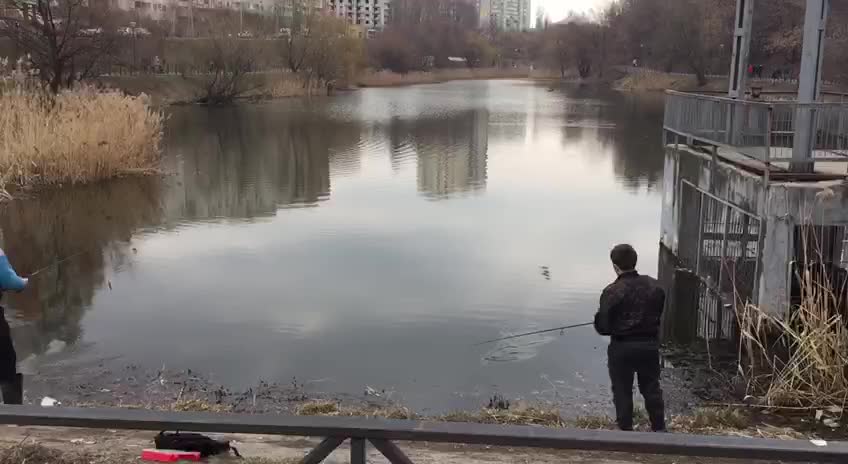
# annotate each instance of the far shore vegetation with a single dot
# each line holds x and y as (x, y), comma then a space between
(64, 126)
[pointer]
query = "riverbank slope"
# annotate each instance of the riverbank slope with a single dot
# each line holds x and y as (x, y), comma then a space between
(167, 89)
(648, 80)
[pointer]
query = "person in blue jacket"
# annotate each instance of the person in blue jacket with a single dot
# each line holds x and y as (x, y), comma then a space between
(11, 382)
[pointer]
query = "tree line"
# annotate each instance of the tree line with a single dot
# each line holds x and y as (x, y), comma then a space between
(66, 40)
(694, 36)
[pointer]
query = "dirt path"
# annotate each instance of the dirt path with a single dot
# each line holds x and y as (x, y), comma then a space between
(124, 446)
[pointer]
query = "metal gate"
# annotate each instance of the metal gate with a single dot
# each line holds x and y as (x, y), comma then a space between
(722, 245)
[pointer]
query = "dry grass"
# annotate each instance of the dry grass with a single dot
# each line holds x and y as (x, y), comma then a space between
(284, 86)
(198, 405)
(706, 421)
(525, 416)
(391, 79)
(799, 359)
(36, 454)
(78, 136)
(332, 408)
(654, 81)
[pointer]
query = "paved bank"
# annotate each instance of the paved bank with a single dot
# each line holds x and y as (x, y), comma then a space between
(118, 447)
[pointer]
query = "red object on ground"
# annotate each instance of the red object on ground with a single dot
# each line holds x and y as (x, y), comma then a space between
(169, 455)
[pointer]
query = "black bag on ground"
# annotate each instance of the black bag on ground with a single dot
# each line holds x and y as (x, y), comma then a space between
(193, 442)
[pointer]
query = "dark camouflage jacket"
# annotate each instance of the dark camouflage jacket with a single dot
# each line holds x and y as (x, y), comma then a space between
(631, 307)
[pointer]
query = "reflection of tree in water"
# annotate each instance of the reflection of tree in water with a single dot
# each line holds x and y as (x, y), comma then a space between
(633, 136)
(452, 151)
(636, 142)
(236, 163)
(59, 223)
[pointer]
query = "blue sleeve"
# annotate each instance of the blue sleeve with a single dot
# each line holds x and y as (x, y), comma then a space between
(9, 280)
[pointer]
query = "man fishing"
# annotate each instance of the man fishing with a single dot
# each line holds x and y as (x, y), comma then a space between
(11, 383)
(629, 313)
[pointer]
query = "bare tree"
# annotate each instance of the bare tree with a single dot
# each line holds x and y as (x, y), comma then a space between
(334, 54)
(65, 40)
(296, 46)
(230, 62)
(557, 49)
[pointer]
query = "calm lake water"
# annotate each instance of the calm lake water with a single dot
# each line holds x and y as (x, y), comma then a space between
(367, 240)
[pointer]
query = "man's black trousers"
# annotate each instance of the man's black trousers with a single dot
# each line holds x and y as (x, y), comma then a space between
(642, 359)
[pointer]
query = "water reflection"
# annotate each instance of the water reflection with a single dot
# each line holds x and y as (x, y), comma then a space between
(637, 138)
(300, 238)
(99, 220)
(451, 151)
(239, 163)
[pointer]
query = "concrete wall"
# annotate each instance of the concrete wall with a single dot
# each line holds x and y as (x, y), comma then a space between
(722, 179)
(790, 205)
(782, 207)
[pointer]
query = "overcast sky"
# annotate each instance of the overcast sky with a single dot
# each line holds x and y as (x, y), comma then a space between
(558, 9)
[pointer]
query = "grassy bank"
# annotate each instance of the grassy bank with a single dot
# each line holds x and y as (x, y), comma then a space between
(175, 89)
(81, 135)
(703, 421)
(168, 89)
(392, 79)
(649, 80)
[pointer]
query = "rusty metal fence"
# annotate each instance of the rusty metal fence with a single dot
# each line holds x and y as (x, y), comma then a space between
(721, 244)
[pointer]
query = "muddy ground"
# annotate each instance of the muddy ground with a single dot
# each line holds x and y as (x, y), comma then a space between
(80, 379)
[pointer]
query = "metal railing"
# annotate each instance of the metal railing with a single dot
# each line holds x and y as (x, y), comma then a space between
(763, 130)
(383, 433)
(721, 244)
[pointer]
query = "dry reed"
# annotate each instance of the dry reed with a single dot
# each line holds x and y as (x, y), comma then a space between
(799, 358)
(78, 136)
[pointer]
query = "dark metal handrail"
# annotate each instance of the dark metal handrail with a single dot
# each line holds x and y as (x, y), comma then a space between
(382, 433)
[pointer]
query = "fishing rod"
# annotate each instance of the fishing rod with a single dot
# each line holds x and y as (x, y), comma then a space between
(538, 332)
(58, 262)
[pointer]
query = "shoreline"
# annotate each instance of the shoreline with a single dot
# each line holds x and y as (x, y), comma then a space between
(171, 89)
(89, 381)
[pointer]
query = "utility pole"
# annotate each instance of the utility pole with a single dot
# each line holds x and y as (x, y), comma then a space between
(809, 83)
(190, 18)
(742, 28)
(741, 48)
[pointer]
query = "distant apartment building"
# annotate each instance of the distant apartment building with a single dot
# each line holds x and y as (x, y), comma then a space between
(367, 14)
(167, 9)
(408, 12)
(505, 15)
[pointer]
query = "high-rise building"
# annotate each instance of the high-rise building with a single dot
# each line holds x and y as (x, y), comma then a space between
(409, 12)
(170, 10)
(369, 14)
(505, 15)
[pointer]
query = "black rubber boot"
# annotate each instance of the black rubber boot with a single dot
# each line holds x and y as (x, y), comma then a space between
(13, 392)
